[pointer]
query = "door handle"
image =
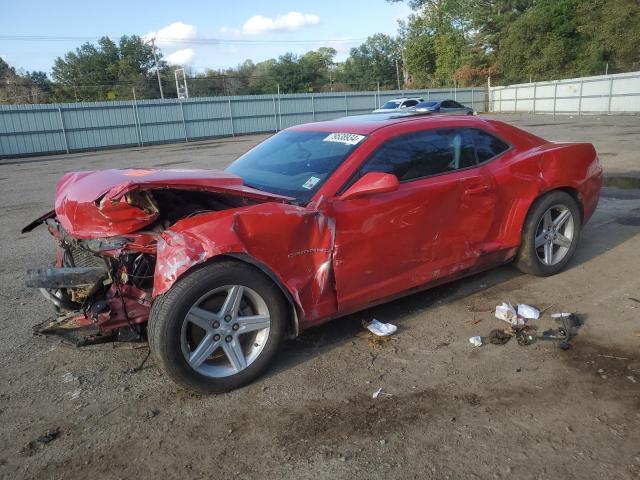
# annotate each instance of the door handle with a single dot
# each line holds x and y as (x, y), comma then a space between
(477, 189)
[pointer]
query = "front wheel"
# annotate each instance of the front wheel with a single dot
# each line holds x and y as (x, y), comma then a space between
(550, 235)
(218, 328)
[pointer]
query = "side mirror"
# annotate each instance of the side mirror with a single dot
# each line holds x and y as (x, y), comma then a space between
(370, 183)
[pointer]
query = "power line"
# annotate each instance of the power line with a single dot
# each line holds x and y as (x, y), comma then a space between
(189, 41)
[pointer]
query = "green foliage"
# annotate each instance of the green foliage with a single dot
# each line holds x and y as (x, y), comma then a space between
(373, 61)
(108, 71)
(17, 87)
(516, 40)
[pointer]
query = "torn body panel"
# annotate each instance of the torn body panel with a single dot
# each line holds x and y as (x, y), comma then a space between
(294, 242)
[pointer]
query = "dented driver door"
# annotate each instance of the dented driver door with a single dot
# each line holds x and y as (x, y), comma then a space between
(429, 229)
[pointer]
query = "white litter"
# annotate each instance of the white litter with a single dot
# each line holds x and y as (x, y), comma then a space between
(527, 311)
(476, 341)
(506, 312)
(381, 329)
(518, 315)
(379, 393)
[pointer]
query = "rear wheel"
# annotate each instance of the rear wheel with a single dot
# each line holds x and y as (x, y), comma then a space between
(218, 328)
(550, 234)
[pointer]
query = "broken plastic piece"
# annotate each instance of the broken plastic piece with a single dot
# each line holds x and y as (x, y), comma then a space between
(506, 312)
(527, 311)
(379, 393)
(381, 329)
(476, 341)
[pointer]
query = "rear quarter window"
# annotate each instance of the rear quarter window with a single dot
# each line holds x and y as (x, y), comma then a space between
(487, 146)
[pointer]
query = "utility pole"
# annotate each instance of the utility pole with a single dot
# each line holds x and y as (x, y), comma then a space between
(155, 57)
(398, 74)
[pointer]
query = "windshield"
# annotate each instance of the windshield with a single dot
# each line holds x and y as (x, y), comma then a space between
(294, 163)
(427, 104)
(391, 104)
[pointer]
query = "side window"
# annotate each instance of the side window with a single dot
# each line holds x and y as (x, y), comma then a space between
(448, 104)
(410, 103)
(423, 154)
(456, 105)
(487, 146)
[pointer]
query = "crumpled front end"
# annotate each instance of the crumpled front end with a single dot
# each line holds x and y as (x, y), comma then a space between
(106, 225)
(100, 285)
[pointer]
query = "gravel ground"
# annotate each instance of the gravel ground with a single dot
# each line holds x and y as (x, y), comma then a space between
(449, 410)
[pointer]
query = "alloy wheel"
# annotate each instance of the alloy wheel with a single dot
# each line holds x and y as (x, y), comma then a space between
(225, 331)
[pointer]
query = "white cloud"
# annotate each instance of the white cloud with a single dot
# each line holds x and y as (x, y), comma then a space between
(291, 21)
(181, 57)
(173, 33)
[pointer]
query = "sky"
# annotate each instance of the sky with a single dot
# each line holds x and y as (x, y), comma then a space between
(186, 31)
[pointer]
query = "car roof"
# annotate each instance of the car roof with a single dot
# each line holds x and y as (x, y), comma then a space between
(403, 99)
(366, 124)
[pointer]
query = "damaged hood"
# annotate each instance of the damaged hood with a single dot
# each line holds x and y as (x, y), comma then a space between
(96, 204)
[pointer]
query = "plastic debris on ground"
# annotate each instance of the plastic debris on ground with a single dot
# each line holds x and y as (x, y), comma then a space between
(381, 329)
(476, 341)
(506, 312)
(379, 393)
(528, 312)
(517, 315)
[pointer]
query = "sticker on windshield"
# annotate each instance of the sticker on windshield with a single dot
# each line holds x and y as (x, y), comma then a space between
(309, 184)
(346, 138)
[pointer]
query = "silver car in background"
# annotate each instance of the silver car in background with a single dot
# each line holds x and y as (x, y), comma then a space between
(399, 104)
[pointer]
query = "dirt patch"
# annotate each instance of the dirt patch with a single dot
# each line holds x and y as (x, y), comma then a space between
(622, 182)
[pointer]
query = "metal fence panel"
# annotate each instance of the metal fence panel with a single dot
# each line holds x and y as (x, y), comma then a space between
(619, 93)
(74, 127)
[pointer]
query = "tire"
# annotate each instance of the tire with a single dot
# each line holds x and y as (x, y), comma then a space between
(534, 258)
(202, 303)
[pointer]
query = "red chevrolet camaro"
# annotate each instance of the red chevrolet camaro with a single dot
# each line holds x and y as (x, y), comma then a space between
(320, 220)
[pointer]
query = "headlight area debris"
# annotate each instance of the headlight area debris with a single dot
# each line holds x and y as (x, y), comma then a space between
(522, 321)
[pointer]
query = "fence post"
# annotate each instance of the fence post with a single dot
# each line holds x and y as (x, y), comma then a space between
(275, 114)
(233, 133)
(346, 105)
(472, 100)
(534, 98)
(555, 95)
(64, 132)
(279, 110)
(610, 94)
(580, 98)
(313, 109)
(137, 119)
(515, 107)
(184, 123)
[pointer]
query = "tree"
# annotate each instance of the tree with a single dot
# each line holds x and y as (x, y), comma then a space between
(109, 71)
(373, 61)
(16, 87)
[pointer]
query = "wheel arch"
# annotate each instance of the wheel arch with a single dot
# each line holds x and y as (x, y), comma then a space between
(573, 192)
(293, 320)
